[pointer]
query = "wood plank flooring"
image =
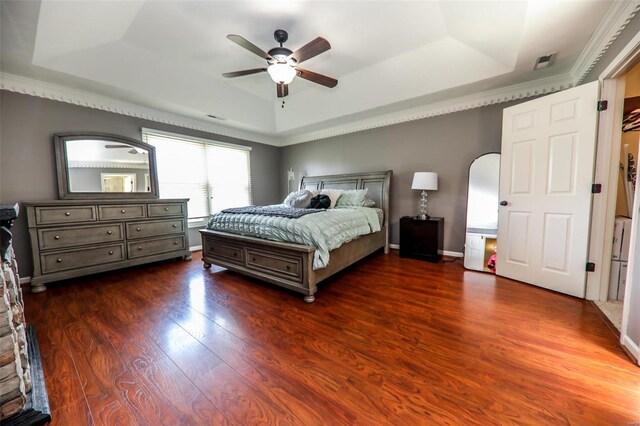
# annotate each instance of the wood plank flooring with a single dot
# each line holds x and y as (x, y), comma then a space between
(389, 341)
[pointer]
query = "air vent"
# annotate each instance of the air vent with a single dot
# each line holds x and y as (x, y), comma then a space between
(544, 61)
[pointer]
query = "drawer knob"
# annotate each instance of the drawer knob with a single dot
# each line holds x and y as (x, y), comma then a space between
(288, 267)
(111, 252)
(166, 209)
(59, 260)
(123, 211)
(175, 243)
(253, 259)
(138, 229)
(67, 214)
(139, 247)
(109, 232)
(175, 226)
(57, 237)
(235, 254)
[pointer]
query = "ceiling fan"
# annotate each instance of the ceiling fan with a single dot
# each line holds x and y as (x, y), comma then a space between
(133, 149)
(283, 63)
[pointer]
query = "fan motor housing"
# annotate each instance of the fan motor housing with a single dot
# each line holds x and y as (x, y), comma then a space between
(280, 54)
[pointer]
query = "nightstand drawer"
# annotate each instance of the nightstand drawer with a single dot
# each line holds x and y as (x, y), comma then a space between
(422, 239)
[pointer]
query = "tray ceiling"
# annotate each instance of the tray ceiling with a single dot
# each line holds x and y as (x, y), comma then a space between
(387, 55)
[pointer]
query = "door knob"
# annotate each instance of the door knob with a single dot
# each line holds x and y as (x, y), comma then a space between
(504, 203)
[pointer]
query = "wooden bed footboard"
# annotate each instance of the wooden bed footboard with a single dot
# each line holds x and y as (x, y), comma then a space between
(287, 265)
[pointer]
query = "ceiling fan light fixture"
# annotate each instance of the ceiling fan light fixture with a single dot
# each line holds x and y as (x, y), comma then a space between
(281, 73)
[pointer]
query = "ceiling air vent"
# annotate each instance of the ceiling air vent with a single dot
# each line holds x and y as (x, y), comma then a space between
(544, 61)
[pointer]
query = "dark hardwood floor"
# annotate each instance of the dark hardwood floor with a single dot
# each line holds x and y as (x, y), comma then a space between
(390, 341)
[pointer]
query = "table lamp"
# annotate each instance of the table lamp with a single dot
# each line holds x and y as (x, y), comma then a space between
(424, 181)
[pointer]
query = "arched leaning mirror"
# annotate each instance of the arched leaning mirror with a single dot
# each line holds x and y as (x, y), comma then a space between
(103, 166)
(482, 213)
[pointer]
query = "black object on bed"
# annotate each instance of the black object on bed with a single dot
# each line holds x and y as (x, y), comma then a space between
(288, 212)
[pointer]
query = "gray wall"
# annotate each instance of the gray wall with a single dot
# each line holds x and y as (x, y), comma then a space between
(445, 144)
(27, 162)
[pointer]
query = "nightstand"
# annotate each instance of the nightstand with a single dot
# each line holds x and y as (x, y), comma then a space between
(422, 239)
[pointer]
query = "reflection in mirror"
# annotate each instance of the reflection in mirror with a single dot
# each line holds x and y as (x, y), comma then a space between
(106, 166)
(482, 213)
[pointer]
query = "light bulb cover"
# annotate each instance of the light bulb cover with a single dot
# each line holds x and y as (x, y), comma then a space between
(281, 73)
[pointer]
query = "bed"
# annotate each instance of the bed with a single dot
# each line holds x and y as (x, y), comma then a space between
(290, 265)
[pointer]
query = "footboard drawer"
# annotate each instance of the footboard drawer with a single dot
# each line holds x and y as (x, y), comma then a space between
(227, 252)
(289, 267)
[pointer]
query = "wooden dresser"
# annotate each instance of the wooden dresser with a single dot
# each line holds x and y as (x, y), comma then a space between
(74, 238)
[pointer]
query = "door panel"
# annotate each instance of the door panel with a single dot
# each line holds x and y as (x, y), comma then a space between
(548, 148)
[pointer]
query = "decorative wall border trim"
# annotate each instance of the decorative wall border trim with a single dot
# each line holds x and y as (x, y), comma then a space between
(477, 100)
(617, 18)
(41, 89)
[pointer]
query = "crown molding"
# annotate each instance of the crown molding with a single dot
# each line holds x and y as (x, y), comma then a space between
(617, 18)
(505, 94)
(28, 86)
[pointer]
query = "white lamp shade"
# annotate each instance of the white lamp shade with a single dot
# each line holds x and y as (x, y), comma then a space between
(281, 73)
(425, 180)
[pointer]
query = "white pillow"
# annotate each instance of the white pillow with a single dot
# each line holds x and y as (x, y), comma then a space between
(299, 199)
(333, 194)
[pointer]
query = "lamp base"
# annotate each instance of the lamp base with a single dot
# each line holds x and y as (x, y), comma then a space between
(423, 206)
(423, 217)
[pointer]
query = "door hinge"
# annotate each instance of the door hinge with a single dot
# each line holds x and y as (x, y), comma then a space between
(603, 105)
(591, 267)
(596, 188)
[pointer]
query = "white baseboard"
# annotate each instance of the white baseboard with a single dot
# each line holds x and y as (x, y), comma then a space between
(195, 248)
(631, 347)
(444, 252)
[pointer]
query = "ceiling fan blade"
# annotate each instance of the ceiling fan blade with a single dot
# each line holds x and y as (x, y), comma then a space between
(282, 90)
(243, 72)
(117, 146)
(317, 78)
(241, 41)
(311, 49)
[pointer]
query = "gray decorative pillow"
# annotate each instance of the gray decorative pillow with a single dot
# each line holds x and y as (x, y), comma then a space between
(368, 202)
(298, 199)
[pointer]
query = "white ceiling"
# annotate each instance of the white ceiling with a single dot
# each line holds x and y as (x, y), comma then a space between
(387, 55)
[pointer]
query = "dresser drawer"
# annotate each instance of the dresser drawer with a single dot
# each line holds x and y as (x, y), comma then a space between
(289, 267)
(166, 209)
(53, 238)
(155, 228)
(80, 258)
(129, 211)
(68, 214)
(150, 247)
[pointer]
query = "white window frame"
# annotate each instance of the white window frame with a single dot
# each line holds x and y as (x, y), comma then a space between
(199, 222)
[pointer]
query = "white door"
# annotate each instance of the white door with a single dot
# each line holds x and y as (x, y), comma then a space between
(546, 172)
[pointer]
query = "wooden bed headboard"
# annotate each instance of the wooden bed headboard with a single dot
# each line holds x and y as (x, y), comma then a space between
(377, 184)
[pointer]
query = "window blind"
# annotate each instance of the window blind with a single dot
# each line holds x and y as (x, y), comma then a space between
(213, 175)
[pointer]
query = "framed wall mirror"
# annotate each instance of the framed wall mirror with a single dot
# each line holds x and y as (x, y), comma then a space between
(104, 166)
(481, 237)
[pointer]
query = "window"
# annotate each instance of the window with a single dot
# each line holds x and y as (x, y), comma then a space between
(213, 175)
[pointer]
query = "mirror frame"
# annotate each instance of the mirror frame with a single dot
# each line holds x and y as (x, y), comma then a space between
(59, 141)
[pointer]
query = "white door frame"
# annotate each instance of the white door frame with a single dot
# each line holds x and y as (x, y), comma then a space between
(603, 209)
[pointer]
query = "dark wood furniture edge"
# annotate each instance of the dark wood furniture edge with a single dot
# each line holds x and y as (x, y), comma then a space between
(37, 410)
(8, 214)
